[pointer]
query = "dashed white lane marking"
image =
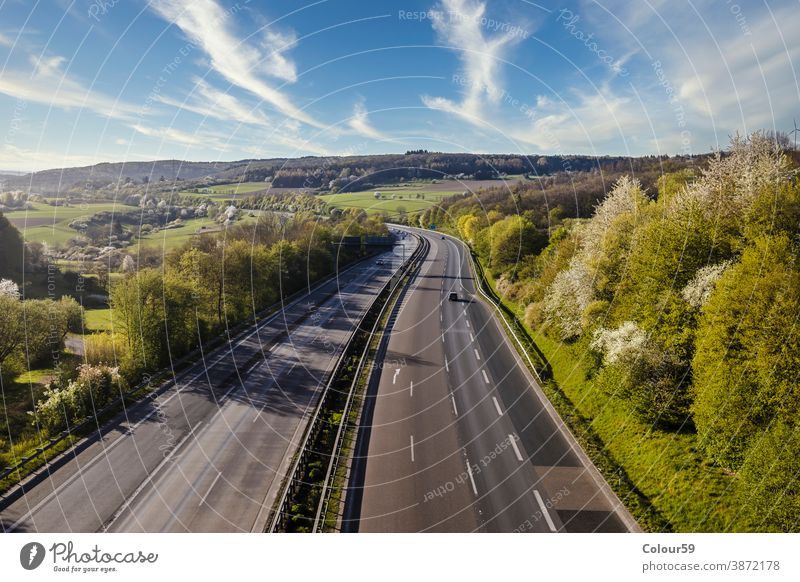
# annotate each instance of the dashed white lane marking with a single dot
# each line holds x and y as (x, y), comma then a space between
(440, 316)
(152, 475)
(497, 406)
(446, 364)
(455, 410)
(514, 446)
(472, 479)
(272, 349)
(214, 482)
(411, 389)
(412, 448)
(471, 337)
(485, 377)
(394, 378)
(477, 355)
(545, 513)
(442, 338)
(467, 320)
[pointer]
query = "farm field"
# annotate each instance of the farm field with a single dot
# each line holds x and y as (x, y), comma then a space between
(225, 190)
(368, 202)
(97, 320)
(50, 224)
(171, 238)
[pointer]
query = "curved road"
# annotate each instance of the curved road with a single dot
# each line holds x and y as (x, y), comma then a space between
(461, 437)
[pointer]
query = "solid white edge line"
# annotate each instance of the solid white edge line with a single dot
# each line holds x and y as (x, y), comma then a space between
(515, 447)
(546, 514)
(150, 477)
(497, 406)
(485, 377)
(214, 482)
(471, 479)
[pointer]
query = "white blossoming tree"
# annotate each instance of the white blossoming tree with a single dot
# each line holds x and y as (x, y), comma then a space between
(698, 290)
(9, 289)
(567, 297)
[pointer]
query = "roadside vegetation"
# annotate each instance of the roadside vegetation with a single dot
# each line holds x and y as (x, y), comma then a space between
(669, 318)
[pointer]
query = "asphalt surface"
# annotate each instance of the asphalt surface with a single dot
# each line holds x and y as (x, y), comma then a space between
(460, 436)
(208, 453)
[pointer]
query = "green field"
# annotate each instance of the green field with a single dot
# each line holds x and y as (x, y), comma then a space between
(368, 202)
(223, 190)
(97, 320)
(171, 238)
(50, 224)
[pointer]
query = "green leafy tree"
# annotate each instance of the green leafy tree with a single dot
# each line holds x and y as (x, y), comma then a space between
(769, 481)
(747, 359)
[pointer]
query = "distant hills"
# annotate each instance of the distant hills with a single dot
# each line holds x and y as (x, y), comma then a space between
(342, 173)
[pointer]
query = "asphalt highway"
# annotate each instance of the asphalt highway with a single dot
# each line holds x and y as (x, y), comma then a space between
(461, 437)
(207, 453)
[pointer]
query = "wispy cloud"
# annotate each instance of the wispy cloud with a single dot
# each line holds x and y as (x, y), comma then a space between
(588, 123)
(459, 25)
(5, 41)
(209, 101)
(208, 25)
(175, 135)
(276, 63)
(29, 160)
(731, 66)
(361, 125)
(49, 85)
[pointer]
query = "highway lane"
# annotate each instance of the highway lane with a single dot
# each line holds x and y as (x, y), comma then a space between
(489, 453)
(207, 453)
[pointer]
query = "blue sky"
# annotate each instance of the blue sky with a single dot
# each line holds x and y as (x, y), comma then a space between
(87, 81)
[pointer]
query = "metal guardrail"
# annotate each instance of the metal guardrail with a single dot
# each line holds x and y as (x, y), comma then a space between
(294, 478)
(161, 377)
(327, 490)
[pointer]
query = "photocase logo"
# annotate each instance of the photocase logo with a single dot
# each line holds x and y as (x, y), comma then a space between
(31, 555)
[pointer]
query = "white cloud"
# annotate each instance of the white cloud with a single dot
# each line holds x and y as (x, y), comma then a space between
(50, 86)
(5, 41)
(591, 123)
(731, 66)
(459, 25)
(276, 64)
(25, 160)
(209, 101)
(209, 26)
(174, 135)
(360, 123)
